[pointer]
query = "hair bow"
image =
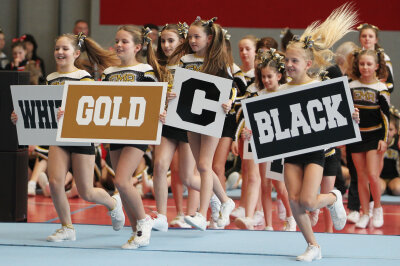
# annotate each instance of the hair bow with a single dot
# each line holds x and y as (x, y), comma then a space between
(146, 38)
(183, 29)
(364, 25)
(308, 42)
(210, 22)
(20, 39)
(323, 75)
(226, 34)
(81, 39)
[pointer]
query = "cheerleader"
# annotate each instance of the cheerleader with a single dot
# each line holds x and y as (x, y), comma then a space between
(205, 52)
(303, 173)
(372, 98)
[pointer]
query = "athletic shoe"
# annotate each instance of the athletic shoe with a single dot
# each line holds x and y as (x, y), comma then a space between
(269, 228)
(231, 181)
(198, 221)
(43, 182)
(143, 232)
(353, 217)
(160, 223)
(215, 205)
(312, 253)
(226, 209)
(290, 224)
(31, 188)
(214, 225)
(338, 213)
(117, 214)
(179, 221)
(65, 233)
(239, 212)
(363, 222)
(377, 220)
(130, 244)
(281, 210)
(258, 218)
(245, 223)
(371, 207)
(314, 216)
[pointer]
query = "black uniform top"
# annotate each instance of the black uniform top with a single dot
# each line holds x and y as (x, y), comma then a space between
(391, 160)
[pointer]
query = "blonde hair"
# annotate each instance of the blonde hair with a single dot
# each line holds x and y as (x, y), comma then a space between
(319, 37)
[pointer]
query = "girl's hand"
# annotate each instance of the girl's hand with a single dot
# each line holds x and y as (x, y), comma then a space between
(382, 146)
(356, 115)
(227, 106)
(171, 95)
(60, 113)
(14, 117)
(163, 116)
(246, 133)
(235, 148)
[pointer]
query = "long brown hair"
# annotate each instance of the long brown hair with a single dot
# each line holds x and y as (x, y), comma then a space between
(96, 54)
(381, 72)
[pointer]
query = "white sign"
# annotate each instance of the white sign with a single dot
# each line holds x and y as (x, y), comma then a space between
(36, 107)
(198, 103)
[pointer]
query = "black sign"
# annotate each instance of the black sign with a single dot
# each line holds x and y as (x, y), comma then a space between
(301, 119)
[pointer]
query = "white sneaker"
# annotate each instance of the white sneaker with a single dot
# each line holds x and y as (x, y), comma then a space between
(117, 214)
(130, 244)
(160, 223)
(231, 181)
(239, 212)
(281, 210)
(215, 205)
(312, 253)
(363, 222)
(65, 233)
(290, 224)
(338, 213)
(31, 188)
(43, 182)
(143, 232)
(226, 209)
(179, 221)
(314, 216)
(269, 228)
(353, 217)
(371, 207)
(377, 220)
(198, 221)
(258, 218)
(245, 223)
(214, 225)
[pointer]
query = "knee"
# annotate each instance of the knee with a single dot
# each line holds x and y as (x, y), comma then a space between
(203, 168)
(86, 194)
(219, 169)
(160, 168)
(308, 203)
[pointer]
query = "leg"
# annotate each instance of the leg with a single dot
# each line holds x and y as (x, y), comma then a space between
(394, 186)
(220, 157)
(360, 162)
(82, 166)
(253, 187)
(327, 185)
(176, 185)
(374, 168)
(58, 165)
(163, 157)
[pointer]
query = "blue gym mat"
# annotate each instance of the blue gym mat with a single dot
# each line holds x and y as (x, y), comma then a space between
(24, 244)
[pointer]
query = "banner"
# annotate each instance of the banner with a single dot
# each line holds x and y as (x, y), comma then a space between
(36, 107)
(300, 120)
(112, 112)
(198, 103)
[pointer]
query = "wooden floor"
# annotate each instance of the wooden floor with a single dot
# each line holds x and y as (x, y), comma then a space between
(41, 209)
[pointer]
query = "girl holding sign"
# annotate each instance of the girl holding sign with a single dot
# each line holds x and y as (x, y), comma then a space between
(269, 73)
(205, 52)
(303, 173)
(125, 158)
(174, 141)
(61, 158)
(372, 98)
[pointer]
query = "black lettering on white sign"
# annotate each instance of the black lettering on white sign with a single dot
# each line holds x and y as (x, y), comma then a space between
(39, 113)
